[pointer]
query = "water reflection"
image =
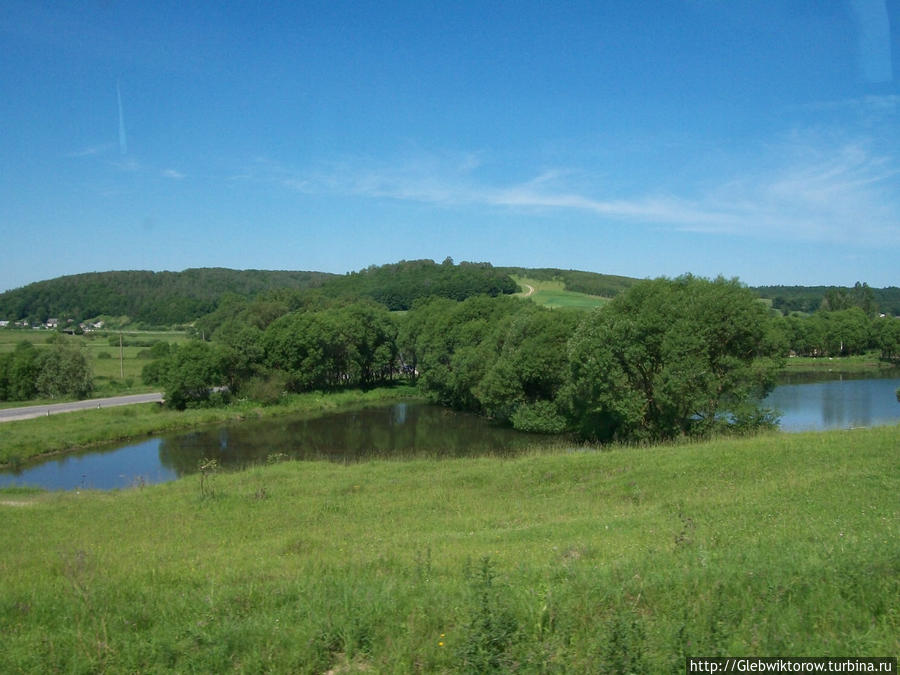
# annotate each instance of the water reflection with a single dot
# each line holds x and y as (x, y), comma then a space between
(836, 404)
(400, 430)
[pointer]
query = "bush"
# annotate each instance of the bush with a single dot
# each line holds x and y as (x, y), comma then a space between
(539, 417)
(104, 355)
(266, 389)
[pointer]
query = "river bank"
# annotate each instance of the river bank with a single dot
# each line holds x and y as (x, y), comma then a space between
(858, 364)
(29, 439)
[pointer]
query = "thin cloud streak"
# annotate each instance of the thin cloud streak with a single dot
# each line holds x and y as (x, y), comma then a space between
(91, 151)
(845, 194)
(123, 140)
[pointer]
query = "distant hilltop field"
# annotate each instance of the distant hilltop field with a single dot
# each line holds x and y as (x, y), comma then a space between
(164, 299)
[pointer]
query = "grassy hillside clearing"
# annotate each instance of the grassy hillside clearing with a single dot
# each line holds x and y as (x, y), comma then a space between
(552, 294)
(582, 561)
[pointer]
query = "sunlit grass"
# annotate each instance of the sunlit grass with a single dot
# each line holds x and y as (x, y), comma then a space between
(552, 294)
(579, 561)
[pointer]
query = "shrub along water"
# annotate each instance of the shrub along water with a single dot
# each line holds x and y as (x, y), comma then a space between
(619, 561)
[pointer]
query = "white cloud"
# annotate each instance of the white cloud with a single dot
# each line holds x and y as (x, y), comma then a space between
(172, 173)
(805, 188)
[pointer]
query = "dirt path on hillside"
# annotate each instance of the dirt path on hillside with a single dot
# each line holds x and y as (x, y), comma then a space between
(530, 290)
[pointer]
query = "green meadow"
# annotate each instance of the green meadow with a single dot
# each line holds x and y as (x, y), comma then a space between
(116, 372)
(553, 294)
(624, 560)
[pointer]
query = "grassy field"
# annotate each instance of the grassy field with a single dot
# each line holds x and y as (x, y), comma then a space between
(111, 377)
(25, 439)
(581, 561)
(552, 294)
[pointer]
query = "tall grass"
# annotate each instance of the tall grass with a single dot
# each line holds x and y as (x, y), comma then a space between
(579, 561)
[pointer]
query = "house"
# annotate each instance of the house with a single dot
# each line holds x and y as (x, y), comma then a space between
(4, 324)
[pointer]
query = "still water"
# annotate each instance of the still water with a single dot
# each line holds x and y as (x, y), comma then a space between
(842, 403)
(398, 430)
(405, 430)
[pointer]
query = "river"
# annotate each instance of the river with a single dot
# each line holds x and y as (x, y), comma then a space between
(405, 430)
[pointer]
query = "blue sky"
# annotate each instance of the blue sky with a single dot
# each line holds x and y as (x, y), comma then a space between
(748, 138)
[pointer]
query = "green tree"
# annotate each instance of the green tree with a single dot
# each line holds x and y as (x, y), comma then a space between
(530, 368)
(887, 338)
(370, 338)
(864, 297)
(300, 345)
(846, 332)
(5, 366)
(64, 370)
(672, 357)
(21, 372)
(191, 374)
(244, 353)
(457, 344)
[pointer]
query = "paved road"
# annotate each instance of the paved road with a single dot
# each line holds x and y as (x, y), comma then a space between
(26, 412)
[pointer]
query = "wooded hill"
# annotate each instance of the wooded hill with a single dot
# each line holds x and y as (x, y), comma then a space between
(155, 299)
(149, 298)
(809, 299)
(167, 298)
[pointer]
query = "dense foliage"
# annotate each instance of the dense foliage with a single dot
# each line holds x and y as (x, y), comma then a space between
(808, 299)
(399, 285)
(844, 332)
(670, 358)
(666, 358)
(62, 370)
(499, 357)
(167, 298)
(150, 298)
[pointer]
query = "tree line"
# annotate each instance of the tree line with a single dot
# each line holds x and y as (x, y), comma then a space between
(156, 299)
(843, 332)
(809, 299)
(668, 357)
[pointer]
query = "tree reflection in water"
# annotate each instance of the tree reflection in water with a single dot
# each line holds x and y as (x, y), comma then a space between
(400, 430)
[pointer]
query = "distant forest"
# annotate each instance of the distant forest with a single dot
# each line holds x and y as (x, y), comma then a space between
(157, 299)
(809, 299)
(148, 298)
(399, 285)
(153, 299)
